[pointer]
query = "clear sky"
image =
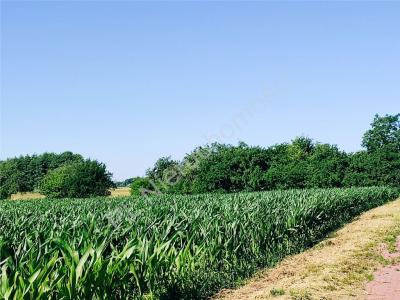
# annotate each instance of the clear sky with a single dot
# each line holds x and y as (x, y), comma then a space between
(129, 82)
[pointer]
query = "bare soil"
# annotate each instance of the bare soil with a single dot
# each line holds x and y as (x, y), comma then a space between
(386, 282)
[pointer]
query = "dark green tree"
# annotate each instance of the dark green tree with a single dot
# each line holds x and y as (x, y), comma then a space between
(161, 169)
(380, 163)
(384, 134)
(23, 174)
(226, 168)
(83, 179)
(326, 166)
(289, 167)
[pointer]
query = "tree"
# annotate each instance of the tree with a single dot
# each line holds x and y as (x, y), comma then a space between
(225, 168)
(300, 148)
(326, 167)
(23, 174)
(8, 178)
(372, 169)
(142, 186)
(161, 168)
(83, 179)
(380, 163)
(290, 175)
(289, 168)
(165, 174)
(125, 183)
(385, 133)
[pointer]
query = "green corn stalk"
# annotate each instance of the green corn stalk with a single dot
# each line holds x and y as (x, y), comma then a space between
(165, 247)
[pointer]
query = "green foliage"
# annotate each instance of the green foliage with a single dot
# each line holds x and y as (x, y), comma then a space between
(300, 148)
(23, 174)
(289, 165)
(226, 168)
(165, 247)
(326, 167)
(87, 178)
(161, 168)
(376, 168)
(164, 175)
(277, 292)
(384, 134)
(125, 183)
(299, 164)
(9, 181)
(142, 186)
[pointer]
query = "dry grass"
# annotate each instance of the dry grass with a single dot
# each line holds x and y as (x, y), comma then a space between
(25, 196)
(337, 268)
(118, 192)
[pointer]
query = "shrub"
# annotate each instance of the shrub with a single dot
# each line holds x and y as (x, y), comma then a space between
(141, 186)
(81, 179)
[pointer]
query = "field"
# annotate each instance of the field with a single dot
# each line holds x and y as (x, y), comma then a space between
(118, 192)
(342, 266)
(27, 196)
(168, 247)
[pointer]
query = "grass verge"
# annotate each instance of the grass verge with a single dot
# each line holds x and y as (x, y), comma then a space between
(336, 268)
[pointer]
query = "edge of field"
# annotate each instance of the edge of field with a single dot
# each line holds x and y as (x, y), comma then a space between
(117, 192)
(337, 268)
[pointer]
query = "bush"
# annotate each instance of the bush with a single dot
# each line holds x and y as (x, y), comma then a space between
(77, 180)
(141, 186)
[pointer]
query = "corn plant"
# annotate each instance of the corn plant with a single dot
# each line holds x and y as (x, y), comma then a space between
(166, 247)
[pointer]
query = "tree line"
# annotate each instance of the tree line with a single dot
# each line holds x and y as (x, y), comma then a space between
(221, 168)
(54, 175)
(302, 163)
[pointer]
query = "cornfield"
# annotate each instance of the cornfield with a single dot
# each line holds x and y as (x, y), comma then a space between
(166, 247)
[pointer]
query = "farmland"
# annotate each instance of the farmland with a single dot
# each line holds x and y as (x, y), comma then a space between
(117, 192)
(219, 150)
(166, 247)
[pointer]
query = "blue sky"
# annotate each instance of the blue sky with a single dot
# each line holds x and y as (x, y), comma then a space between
(129, 82)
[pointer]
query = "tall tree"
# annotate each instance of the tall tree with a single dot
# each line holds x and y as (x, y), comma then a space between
(385, 133)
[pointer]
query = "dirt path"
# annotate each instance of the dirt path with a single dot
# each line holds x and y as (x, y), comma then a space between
(386, 282)
(350, 264)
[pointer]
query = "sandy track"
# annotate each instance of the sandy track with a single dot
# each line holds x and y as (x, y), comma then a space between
(386, 282)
